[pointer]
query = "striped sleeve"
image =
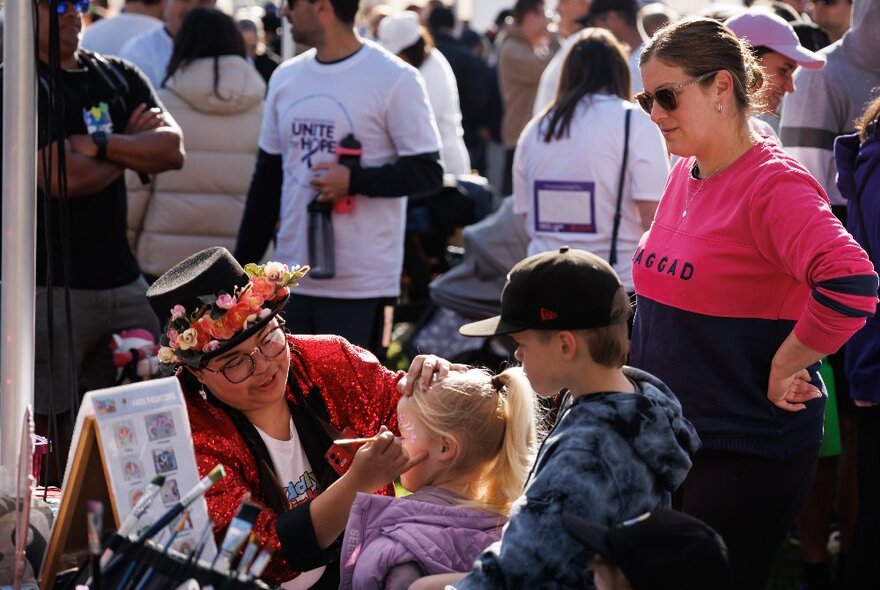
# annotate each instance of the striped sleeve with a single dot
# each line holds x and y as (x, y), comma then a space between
(795, 229)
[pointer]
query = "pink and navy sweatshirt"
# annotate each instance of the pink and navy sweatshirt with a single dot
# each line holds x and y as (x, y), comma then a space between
(758, 254)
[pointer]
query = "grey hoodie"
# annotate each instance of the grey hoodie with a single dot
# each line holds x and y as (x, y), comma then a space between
(828, 101)
(611, 457)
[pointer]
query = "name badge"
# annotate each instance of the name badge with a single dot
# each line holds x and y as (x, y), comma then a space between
(565, 207)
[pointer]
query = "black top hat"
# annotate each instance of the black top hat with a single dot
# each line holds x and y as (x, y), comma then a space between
(660, 549)
(565, 289)
(195, 285)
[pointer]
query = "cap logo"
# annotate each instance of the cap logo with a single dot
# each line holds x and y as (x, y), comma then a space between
(547, 314)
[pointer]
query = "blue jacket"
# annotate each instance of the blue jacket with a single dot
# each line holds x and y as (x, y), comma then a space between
(858, 178)
(611, 457)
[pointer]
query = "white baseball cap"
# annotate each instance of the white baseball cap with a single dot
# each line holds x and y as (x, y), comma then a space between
(399, 31)
(763, 29)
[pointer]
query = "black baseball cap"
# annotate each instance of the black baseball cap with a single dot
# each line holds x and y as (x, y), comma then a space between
(659, 549)
(564, 289)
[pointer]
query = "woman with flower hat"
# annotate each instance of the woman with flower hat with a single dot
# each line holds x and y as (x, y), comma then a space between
(268, 405)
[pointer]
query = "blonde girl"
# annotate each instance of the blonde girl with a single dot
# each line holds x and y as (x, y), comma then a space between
(480, 434)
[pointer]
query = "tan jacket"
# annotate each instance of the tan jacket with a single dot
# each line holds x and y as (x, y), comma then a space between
(520, 66)
(201, 205)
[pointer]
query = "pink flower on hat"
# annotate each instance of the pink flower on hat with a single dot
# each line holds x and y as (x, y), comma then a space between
(178, 311)
(226, 301)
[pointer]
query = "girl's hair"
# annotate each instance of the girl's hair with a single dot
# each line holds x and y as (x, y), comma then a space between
(702, 46)
(494, 422)
(596, 64)
(869, 123)
(206, 32)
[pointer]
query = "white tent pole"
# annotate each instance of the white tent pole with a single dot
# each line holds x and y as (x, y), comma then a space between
(19, 222)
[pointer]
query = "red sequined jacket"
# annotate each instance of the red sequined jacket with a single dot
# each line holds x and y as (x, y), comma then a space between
(357, 392)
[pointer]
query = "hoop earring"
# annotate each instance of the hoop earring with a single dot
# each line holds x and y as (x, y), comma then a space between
(202, 392)
(719, 107)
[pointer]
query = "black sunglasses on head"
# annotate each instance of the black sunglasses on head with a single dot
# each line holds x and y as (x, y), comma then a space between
(666, 96)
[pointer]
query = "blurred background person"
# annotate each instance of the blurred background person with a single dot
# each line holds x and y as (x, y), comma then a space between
(833, 16)
(775, 45)
(250, 24)
(621, 18)
(217, 98)
(568, 166)
(523, 53)
(569, 14)
(858, 178)
(108, 35)
(473, 79)
(402, 35)
(653, 17)
(151, 51)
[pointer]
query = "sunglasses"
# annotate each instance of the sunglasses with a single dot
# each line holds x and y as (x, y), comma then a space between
(667, 96)
(80, 6)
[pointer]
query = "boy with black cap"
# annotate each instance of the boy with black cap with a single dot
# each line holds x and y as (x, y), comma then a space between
(620, 445)
(660, 549)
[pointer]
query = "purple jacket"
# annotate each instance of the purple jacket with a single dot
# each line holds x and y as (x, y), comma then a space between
(858, 178)
(391, 541)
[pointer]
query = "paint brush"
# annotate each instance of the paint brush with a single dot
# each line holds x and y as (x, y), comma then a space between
(354, 441)
(140, 508)
(181, 524)
(192, 562)
(95, 522)
(259, 564)
(191, 496)
(236, 535)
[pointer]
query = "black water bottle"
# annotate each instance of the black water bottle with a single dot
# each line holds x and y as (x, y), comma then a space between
(322, 256)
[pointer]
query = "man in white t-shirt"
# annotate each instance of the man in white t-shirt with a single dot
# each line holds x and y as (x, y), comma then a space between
(621, 18)
(345, 85)
(151, 51)
(108, 35)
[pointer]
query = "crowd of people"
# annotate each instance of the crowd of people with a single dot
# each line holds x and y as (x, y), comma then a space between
(693, 315)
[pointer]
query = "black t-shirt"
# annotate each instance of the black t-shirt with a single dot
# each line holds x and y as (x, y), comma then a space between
(93, 97)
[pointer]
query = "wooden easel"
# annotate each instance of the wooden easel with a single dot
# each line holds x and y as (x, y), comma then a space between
(87, 480)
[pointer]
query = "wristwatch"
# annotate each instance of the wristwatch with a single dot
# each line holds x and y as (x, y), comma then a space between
(100, 139)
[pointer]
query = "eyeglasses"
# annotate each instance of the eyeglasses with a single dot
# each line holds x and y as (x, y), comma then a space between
(667, 96)
(240, 367)
(78, 5)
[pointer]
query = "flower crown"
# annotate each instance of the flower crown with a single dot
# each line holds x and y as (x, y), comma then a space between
(189, 336)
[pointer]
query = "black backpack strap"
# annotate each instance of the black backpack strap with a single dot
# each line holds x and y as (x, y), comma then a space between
(612, 255)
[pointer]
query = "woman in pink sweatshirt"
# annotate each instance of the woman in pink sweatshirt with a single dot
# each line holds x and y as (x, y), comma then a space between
(744, 281)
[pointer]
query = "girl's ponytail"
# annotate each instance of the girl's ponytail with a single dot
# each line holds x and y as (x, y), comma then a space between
(507, 474)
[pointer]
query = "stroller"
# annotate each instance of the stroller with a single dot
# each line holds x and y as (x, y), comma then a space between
(472, 291)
